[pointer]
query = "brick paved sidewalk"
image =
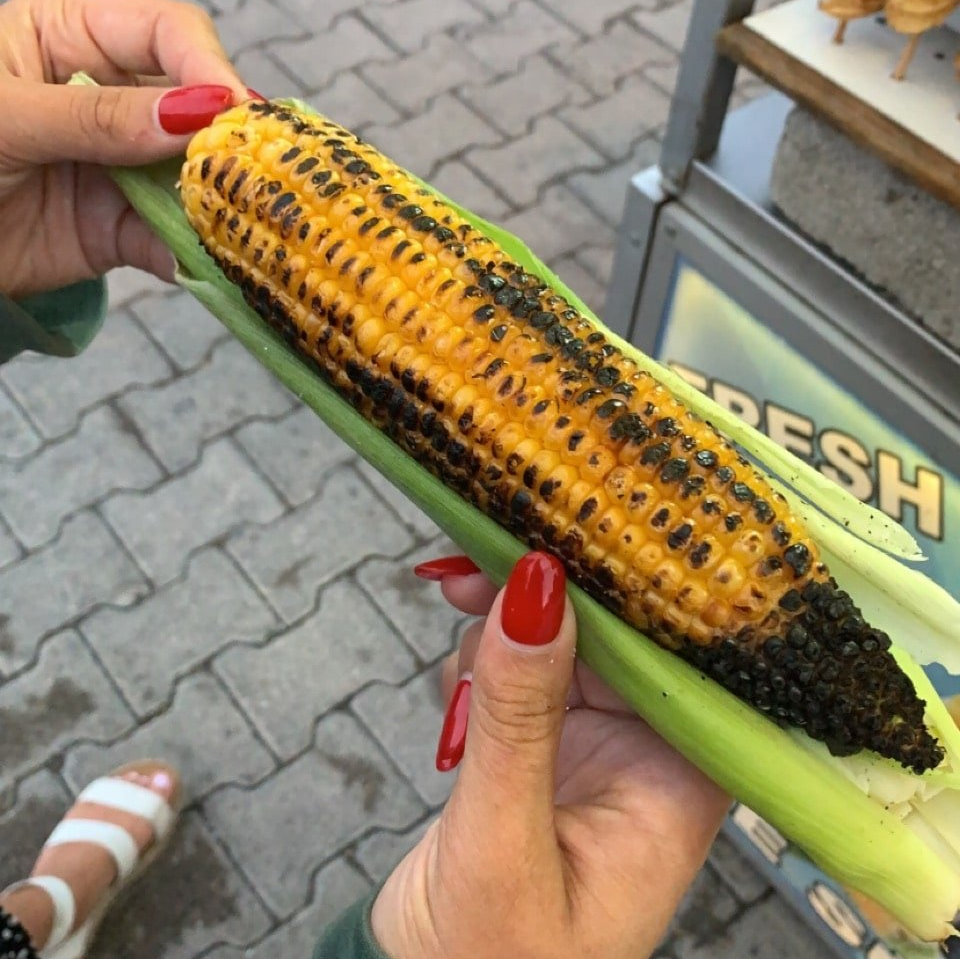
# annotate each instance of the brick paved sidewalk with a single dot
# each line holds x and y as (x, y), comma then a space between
(192, 566)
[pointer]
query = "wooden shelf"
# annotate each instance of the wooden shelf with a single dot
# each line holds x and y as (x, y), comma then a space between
(874, 126)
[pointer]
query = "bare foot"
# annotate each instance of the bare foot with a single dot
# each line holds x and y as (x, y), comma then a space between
(87, 868)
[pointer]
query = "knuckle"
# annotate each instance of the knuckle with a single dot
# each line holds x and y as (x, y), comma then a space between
(517, 715)
(101, 115)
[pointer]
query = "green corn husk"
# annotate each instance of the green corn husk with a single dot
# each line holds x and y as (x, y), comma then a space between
(855, 817)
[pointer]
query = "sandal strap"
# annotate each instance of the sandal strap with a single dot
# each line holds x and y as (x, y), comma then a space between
(128, 797)
(116, 840)
(64, 906)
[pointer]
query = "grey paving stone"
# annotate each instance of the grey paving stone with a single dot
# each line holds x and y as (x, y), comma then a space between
(416, 608)
(286, 684)
(704, 913)
(605, 191)
(260, 71)
(581, 281)
(559, 224)
(84, 567)
(598, 260)
(201, 734)
(102, 456)
(443, 130)
(736, 873)
(406, 721)
(18, 438)
(189, 511)
(769, 928)
(615, 124)
(457, 181)
(348, 44)
(321, 15)
(126, 284)
(190, 899)
(308, 811)
(29, 817)
(65, 697)
(602, 61)
(512, 102)
(668, 24)
(296, 453)
(412, 516)
(407, 25)
(55, 393)
(443, 64)
(382, 851)
(10, 550)
(664, 74)
(176, 419)
(147, 648)
(292, 558)
(184, 328)
(337, 886)
(495, 7)
(521, 166)
(354, 104)
(592, 17)
(518, 33)
(257, 21)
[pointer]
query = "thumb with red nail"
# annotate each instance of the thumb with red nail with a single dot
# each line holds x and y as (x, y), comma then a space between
(573, 829)
(163, 75)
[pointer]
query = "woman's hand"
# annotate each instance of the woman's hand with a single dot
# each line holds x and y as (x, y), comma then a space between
(62, 218)
(573, 829)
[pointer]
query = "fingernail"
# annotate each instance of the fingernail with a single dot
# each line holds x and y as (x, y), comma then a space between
(162, 780)
(437, 569)
(254, 95)
(534, 600)
(189, 109)
(453, 736)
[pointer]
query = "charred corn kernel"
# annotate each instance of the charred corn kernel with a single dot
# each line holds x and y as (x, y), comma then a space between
(496, 384)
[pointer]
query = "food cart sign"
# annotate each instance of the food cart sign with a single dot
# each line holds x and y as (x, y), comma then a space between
(746, 367)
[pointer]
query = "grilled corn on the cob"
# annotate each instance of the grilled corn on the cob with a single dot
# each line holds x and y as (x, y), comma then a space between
(914, 17)
(847, 10)
(512, 397)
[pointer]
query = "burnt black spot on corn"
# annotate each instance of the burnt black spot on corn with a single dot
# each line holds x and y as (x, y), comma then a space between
(496, 384)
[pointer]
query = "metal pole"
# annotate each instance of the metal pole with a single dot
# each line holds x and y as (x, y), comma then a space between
(703, 90)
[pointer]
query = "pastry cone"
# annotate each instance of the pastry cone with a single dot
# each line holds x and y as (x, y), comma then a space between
(847, 10)
(913, 17)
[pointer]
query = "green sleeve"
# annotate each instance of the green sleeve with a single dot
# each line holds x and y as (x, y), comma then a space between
(61, 323)
(351, 936)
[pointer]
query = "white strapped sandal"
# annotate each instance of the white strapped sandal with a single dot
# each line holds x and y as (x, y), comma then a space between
(64, 941)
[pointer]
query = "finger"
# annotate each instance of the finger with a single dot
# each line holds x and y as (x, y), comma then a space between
(111, 233)
(462, 583)
(520, 682)
(126, 126)
(473, 595)
(153, 37)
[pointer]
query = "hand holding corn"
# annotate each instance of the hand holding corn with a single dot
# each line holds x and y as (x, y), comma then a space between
(569, 832)
(63, 218)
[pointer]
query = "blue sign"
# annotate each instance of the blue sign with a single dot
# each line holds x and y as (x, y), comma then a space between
(743, 365)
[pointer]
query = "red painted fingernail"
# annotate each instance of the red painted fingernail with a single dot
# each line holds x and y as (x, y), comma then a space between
(438, 569)
(254, 95)
(192, 108)
(534, 600)
(453, 736)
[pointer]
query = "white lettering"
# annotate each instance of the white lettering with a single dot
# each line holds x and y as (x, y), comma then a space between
(925, 494)
(847, 463)
(737, 402)
(790, 430)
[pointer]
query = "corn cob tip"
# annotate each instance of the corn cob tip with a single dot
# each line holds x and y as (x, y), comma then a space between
(492, 381)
